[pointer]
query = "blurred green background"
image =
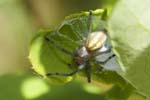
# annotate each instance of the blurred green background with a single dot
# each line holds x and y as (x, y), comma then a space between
(19, 21)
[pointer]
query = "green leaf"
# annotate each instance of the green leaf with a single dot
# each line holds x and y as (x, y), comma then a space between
(125, 93)
(22, 87)
(130, 36)
(45, 57)
(28, 87)
(69, 35)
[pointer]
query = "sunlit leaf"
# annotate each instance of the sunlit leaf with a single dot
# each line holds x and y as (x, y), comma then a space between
(130, 35)
(29, 88)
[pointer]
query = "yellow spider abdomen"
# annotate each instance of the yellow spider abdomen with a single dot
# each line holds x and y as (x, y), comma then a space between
(95, 40)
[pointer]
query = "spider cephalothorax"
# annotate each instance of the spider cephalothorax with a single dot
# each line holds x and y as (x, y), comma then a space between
(93, 46)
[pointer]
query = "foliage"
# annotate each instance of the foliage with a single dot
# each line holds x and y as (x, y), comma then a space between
(129, 27)
(69, 35)
(126, 77)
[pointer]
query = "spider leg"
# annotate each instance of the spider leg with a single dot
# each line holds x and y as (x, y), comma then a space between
(90, 21)
(57, 46)
(67, 74)
(88, 72)
(104, 62)
(103, 50)
(100, 68)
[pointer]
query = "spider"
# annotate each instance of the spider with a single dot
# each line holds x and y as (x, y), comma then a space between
(82, 55)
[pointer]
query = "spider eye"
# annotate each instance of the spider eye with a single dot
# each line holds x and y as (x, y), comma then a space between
(95, 40)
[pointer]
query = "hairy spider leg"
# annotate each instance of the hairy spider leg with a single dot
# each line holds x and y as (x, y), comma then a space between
(88, 72)
(66, 52)
(101, 63)
(104, 62)
(69, 53)
(61, 49)
(67, 74)
(90, 21)
(57, 46)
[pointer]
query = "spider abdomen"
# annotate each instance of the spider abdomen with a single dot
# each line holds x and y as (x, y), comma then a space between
(95, 40)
